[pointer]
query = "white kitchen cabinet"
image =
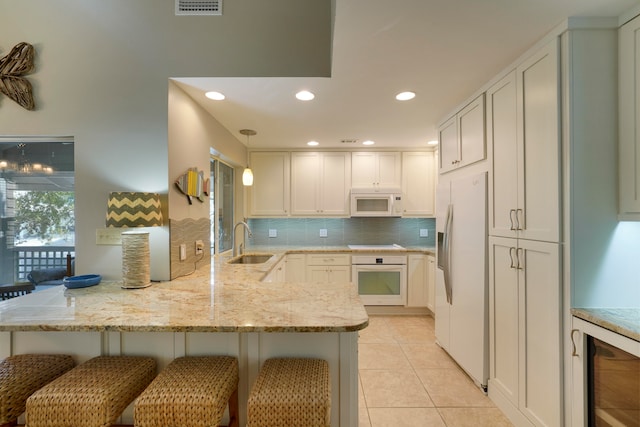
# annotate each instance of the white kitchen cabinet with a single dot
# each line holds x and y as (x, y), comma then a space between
(295, 270)
(581, 330)
(629, 117)
(378, 169)
(462, 137)
(431, 283)
(278, 273)
(418, 184)
(421, 281)
(525, 330)
(417, 286)
(269, 194)
(328, 268)
(502, 136)
(523, 118)
(320, 183)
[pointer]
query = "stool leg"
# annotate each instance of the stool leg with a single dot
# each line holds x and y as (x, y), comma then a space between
(233, 409)
(10, 424)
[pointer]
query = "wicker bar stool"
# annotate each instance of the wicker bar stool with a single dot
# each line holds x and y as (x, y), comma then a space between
(291, 392)
(93, 394)
(191, 391)
(23, 374)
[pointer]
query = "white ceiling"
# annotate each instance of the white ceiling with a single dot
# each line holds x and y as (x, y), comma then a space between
(443, 50)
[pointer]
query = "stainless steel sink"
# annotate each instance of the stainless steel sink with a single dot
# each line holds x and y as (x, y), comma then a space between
(251, 259)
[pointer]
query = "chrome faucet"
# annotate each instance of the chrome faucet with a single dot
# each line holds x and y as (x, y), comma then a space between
(234, 251)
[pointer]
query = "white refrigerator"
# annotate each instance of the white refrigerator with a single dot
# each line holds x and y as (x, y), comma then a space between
(462, 306)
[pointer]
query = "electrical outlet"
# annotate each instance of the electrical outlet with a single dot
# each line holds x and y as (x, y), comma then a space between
(183, 252)
(424, 232)
(273, 232)
(323, 232)
(199, 247)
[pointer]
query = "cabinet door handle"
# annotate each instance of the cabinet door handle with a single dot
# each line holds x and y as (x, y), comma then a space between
(520, 256)
(512, 251)
(574, 351)
(512, 214)
(518, 217)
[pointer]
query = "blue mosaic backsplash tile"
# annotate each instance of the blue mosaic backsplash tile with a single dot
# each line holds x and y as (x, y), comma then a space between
(342, 231)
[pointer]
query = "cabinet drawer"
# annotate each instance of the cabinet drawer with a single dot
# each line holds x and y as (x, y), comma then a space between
(328, 259)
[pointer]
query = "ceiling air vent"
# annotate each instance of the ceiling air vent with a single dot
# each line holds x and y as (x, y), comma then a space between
(198, 7)
(348, 141)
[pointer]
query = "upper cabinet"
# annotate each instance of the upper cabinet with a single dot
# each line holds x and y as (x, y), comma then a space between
(269, 194)
(320, 183)
(376, 170)
(462, 137)
(523, 117)
(418, 183)
(629, 116)
(309, 184)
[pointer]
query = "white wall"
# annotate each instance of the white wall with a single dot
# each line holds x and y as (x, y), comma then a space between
(102, 71)
(604, 251)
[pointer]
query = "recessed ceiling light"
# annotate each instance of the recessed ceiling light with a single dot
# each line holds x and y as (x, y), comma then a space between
(216, 96)
(313, 143)
(305, 95)
(405, 96)
(434, 142)
(368, 142)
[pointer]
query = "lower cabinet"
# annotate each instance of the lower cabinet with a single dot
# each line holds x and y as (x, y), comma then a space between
(296, 265)
(421, 281)
(328, 268)
(278, 272)
(525, 330)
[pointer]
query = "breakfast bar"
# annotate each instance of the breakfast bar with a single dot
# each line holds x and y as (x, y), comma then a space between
(222, 309)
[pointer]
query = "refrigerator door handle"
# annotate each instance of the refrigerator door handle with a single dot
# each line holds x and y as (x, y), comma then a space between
(447, 254)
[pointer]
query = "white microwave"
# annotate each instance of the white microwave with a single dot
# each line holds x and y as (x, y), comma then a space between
(376, 202)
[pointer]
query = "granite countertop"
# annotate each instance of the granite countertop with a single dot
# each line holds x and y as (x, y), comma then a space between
(223, 298)
(427, 250)
(623, 321)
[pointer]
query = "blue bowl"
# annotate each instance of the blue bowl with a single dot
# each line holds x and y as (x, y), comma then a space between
(83, 281)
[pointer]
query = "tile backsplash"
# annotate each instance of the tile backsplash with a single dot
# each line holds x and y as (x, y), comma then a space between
(341, 231)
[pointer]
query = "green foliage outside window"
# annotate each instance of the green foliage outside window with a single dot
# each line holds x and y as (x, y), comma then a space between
(44, 214)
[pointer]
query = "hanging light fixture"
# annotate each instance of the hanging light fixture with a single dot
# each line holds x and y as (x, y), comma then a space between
(247, 175)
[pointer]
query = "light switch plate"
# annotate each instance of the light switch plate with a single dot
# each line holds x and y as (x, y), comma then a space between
(273, 232)
(323, 232)
(183, 252)
(108, 236)
(424, 232)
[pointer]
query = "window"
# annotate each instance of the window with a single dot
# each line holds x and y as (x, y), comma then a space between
(221, 206)
(37, 223)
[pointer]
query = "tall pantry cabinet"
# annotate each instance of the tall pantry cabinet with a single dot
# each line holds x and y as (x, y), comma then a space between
(525, 292)
(551, 122)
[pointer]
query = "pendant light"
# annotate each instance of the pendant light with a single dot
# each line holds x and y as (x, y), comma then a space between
(247, 175)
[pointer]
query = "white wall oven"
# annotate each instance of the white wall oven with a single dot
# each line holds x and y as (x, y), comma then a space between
(381, 278)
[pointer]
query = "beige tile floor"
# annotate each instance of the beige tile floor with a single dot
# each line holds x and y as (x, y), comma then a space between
(407, 380)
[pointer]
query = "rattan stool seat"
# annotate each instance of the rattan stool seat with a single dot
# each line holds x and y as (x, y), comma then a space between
(93, 394)
(191, 391)
(22, 375)
(291, 392)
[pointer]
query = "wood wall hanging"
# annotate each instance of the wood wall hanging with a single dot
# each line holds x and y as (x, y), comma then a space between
(12, 67)
(193, 184)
